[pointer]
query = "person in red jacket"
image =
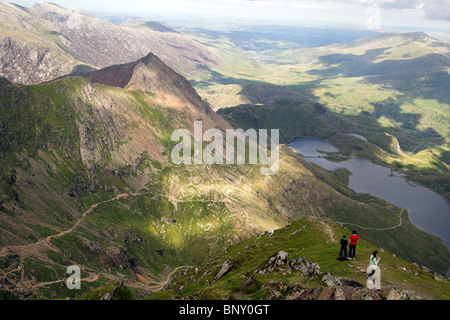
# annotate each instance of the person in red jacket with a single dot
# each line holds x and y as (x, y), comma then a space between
(352, 247)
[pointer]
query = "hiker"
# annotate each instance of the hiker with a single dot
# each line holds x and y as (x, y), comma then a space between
(352, 247)
(374, 272)
(344, 243)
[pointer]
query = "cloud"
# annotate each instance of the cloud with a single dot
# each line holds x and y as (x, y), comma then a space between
(311, 5)
(437, 11)
(434, 9)
(399, 4)
(262, 3)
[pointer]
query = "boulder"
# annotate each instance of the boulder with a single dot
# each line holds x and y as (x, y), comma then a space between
(332, 281)
(107, 296)
(277, 262)
(90, 246)
(365, 294)
(307, 268)
(273, 294)
(397, 294)
(319, 293)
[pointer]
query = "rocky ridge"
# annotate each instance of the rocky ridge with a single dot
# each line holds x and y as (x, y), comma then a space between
(335, 288)
(304, 266)
(46, 41)
(150, 74)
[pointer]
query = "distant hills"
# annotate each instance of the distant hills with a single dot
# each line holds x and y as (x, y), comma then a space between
(278, 37)
(46, 41)
(388, 87)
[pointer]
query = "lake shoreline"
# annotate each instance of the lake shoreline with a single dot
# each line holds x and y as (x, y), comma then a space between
(406, 176)
(369, 177)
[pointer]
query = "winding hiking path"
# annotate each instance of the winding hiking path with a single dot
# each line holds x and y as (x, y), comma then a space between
(158, 286)
(47, 239)
(4, 250)
(378, 229)
(43, 284)
(83, 216)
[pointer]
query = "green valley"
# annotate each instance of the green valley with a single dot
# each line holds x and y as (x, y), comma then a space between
(390, 88)
(87, 177)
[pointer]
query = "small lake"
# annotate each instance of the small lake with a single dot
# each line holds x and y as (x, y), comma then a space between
(428, 211)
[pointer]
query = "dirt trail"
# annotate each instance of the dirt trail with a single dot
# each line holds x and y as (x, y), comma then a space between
(27, 249)
(378, 229)
(158, 286)
(328, 230)
(83, 216)
(46, 241)
(42, 284)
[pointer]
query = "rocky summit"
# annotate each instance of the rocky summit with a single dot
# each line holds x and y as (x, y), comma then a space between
(150, 74)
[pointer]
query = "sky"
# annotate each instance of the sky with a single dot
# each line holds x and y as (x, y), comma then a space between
(371, 14)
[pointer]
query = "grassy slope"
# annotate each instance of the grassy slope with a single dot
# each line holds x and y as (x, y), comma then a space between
(46, 166)
(315, 242)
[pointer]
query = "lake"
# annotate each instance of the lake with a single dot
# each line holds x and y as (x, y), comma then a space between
(428, 211)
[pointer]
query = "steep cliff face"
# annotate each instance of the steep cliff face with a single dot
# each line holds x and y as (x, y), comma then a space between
(110, 132)
(28, 62)
(150, 74)
(50, 41)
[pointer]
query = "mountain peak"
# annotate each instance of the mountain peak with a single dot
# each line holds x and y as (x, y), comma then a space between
(47, 6)
(149, 58)
(143, 74)
(151, 74)
(417, 36)
(148, 74)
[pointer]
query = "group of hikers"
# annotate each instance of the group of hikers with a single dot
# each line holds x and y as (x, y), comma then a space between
(373, 271)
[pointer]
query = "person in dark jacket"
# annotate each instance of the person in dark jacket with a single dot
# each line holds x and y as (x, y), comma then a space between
(344, 244)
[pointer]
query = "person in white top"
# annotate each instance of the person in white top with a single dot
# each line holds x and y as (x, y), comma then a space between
(374, 272)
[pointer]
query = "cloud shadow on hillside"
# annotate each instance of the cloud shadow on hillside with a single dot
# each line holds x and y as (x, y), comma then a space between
(422, 77)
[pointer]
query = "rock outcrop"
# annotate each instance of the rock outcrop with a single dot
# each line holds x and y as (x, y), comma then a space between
(25, 62)
(350, 293)
(308, 268)
(280, 262)
(335, 287)
(332, 280)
